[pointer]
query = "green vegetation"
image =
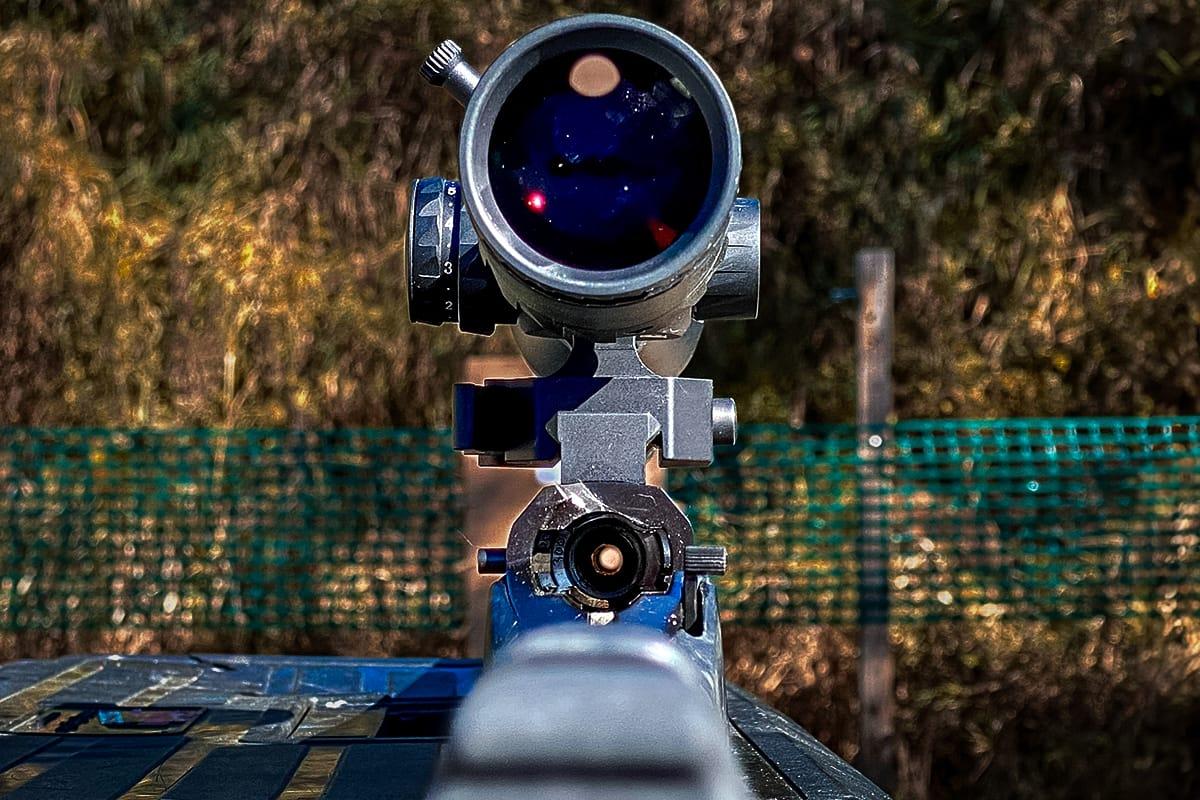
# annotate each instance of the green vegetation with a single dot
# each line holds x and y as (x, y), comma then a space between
(201, 204)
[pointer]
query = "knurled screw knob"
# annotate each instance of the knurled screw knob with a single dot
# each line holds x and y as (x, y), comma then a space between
(446, 67)
(704, 559)
(441, 61)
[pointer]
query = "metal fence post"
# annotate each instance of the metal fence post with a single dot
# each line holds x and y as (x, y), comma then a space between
(875, 279)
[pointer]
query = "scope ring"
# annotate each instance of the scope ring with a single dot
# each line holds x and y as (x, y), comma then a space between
(654, 296)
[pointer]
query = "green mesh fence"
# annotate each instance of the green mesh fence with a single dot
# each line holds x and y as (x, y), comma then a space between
(242, 529)
(272, 530)
(1019, 519)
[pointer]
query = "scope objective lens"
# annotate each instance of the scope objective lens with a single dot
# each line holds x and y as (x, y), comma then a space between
(600, 159)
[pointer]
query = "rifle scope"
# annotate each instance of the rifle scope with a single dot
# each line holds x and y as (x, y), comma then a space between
(599, 160)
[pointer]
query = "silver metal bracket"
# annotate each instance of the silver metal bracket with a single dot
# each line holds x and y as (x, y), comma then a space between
(600, 416)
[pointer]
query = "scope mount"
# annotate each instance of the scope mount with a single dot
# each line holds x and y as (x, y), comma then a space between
(598, 418)
(597, 415)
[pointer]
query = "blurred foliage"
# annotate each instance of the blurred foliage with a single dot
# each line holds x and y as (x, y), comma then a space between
(1002, 710)
(202, 204)
(202, 207)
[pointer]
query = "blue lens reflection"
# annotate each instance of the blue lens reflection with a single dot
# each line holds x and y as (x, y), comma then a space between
(599, 159)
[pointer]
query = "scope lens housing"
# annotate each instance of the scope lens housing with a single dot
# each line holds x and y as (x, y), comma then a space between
(556, 129)
(600, 159)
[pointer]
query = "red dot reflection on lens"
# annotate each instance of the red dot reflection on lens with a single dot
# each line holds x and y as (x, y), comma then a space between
(663, 234)
(535, 201)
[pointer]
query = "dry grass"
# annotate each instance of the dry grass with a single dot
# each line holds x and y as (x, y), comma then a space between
(201, 208)
(1065, 710)
(202, 204)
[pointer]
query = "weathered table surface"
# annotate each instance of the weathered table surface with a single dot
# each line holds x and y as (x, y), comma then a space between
(210, 727)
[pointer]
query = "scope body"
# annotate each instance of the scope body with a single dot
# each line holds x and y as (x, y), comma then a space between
(599, 160)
